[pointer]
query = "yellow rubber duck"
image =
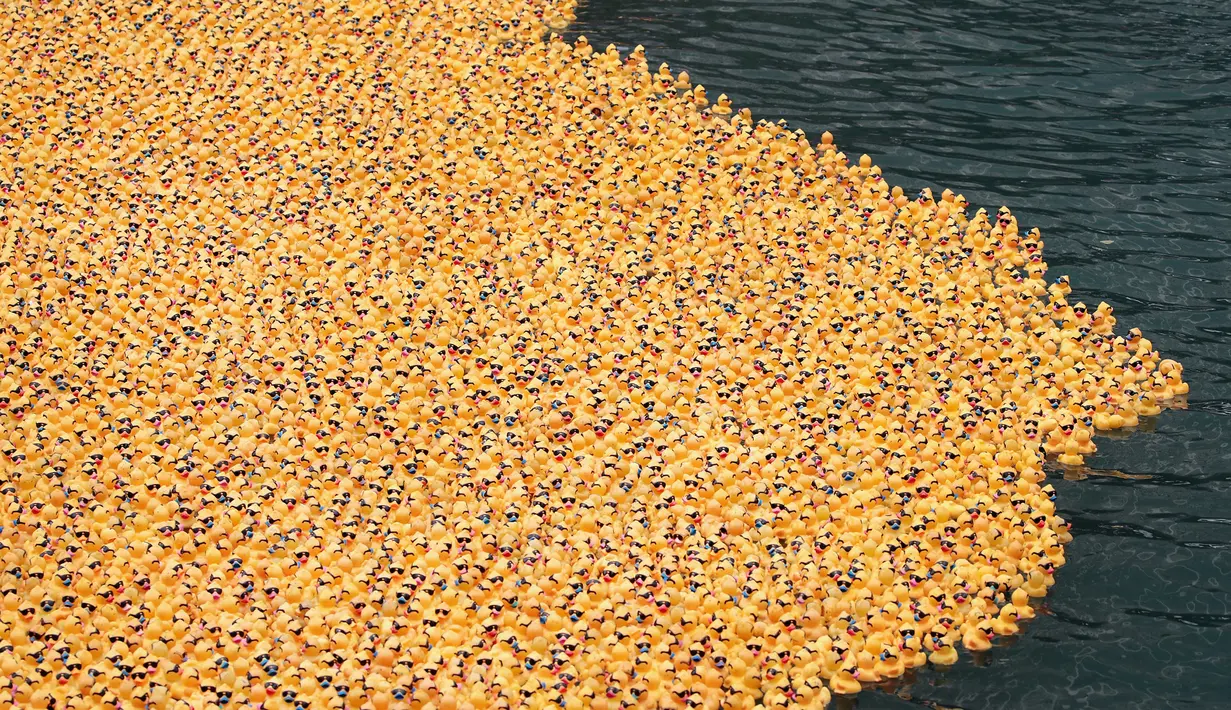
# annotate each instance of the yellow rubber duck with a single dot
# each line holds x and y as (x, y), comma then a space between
(552, 362)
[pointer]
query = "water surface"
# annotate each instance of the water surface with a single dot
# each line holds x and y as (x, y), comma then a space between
(1108, 126)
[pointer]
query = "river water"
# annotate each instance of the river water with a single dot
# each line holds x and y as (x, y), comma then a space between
(1108, 126)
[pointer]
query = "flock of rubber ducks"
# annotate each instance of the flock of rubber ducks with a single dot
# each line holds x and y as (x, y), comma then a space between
(394, 354)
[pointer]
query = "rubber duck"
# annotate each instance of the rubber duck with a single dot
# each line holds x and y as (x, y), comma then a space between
(943, 654)
(844, 682)
(976, 636)
(368, 421)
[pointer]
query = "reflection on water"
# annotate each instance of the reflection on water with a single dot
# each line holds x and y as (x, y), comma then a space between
(1108, 127)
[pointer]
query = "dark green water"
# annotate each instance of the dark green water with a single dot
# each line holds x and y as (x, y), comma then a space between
(1108, 126)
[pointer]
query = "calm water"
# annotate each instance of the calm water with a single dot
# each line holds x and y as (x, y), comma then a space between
(1108, 126)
